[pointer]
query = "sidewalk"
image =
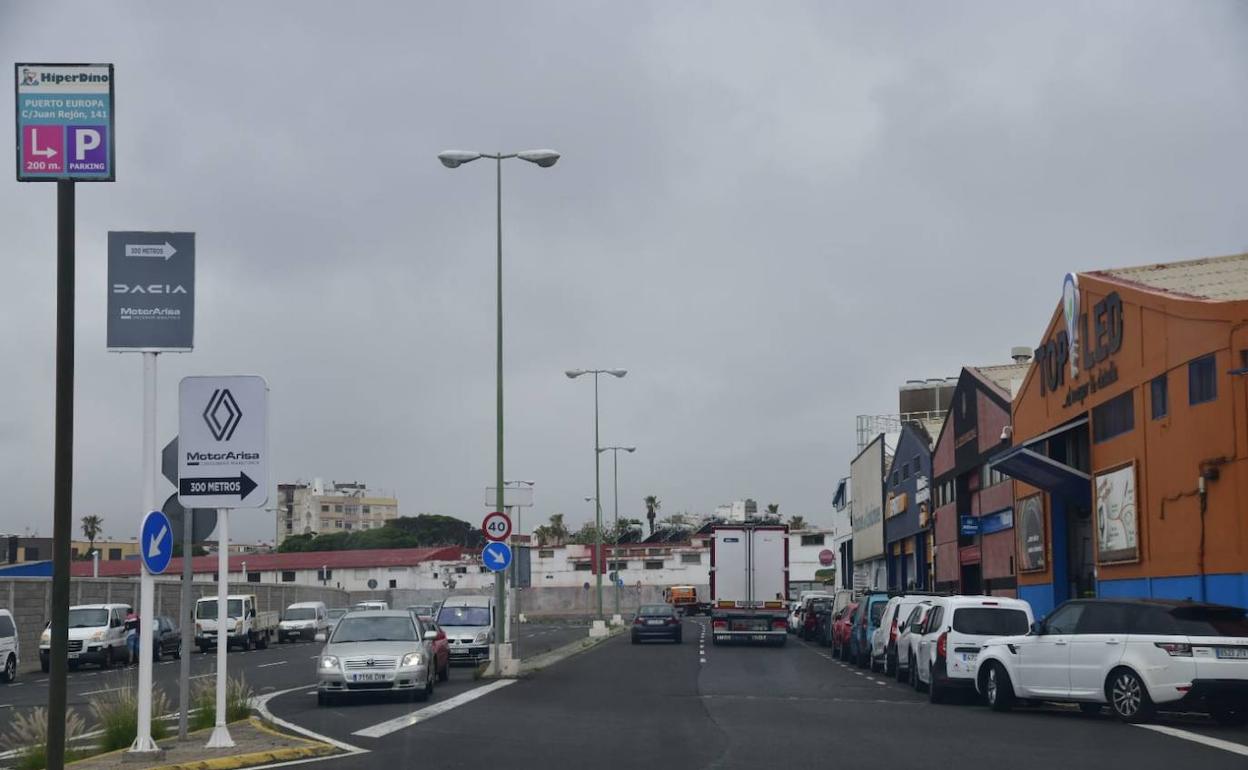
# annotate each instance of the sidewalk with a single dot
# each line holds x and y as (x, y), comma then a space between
(255, 743)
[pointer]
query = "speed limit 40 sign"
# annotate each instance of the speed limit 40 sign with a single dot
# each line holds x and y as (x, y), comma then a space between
(496, 526)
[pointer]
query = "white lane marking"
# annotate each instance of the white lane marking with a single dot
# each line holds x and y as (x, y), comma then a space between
(267, 665)
(1215, 743)
(881, 684)
(204, 676)
(101, 692)
(428, 712)
(41, 681)
(6, 705)
(261, 705)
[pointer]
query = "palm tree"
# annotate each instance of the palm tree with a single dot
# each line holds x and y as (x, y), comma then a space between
(773, 509)
(554, 533)
(92, 527)
(652, 508)
(796, 523)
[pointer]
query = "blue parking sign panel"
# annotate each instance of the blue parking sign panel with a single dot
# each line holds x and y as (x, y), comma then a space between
(64, 122)
(156, 542)
(496, 556)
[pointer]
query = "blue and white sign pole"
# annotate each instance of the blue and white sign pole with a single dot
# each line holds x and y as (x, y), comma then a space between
(496, 556)
(143, 742)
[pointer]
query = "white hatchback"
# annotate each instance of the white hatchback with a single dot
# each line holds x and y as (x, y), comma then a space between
(10, 652)
(1131, 655)
(955, 629)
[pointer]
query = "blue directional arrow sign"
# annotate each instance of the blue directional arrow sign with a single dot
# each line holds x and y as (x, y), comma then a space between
(156, 542)
(496, 556)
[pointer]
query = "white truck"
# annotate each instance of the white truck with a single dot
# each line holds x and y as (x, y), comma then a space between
(246, 626)
(749, 583)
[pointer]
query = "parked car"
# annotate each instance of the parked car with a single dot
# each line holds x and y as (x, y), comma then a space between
(870, 610)
(97, 634)
(842, 627)
(884, 638)
(469, 625)
(908, 642)
(370, 605)
(10, 650)
(795, 617)
(376, 651)
(303, 620)
(657, 621)
(421, 610)
(823, 623)
(166, 638)
(1134, 656)
(441, 648)
(810, 612)
(332, 616)
(955, 630)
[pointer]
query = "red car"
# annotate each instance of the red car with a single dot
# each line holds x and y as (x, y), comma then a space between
(842, 626)
(441, 649)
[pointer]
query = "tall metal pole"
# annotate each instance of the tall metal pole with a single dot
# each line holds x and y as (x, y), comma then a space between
(500, 577)
(186, 623)
(597, 502)
(220, 738)
(615, 462)
(143, 742)
(63, 475)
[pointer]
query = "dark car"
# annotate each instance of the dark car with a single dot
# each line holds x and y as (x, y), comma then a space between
(823, 623)
(810, 618)
(656, 621)
(166, 638)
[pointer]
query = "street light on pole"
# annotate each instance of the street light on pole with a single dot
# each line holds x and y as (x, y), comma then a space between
(455, 159)
(572, 375)
(615, 472)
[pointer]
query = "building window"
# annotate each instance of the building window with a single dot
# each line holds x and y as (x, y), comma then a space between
(325, 574)
(1114, 417)
(461, 570)
(694, 558)
(337, 509)
(324, 509)
(1160, 397)
(114, 554)
(368, 510)
(812, 539)
(253, 577)
(618, 565)
(895, 479)
(581, 566)
(1202, 381)
(288, 576)
(905, 471)
(546, 553)
(654, 565)
(394, 584)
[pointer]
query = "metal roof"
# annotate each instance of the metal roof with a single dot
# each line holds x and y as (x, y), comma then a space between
(1218, 279)
(1003, 375)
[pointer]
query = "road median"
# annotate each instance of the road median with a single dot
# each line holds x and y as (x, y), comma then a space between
(532, 665)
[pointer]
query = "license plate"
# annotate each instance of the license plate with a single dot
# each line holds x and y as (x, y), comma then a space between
(1235, 653)
(654, 622)
(368, 677)
(758, 637)
(967, 657)
(73, 656)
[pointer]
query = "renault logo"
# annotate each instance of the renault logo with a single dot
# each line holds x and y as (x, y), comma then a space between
(222, 414)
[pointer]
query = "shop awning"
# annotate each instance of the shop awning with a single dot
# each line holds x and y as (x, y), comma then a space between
(1031, 467)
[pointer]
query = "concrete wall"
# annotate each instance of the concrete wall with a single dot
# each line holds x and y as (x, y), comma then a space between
(545, 602)
(30, 600)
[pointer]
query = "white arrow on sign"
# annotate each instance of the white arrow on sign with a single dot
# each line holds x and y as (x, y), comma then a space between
(47, 152)
(153, 548)
(497, 557)
(156, 250)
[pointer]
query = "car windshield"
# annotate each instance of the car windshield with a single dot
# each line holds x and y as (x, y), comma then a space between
(207, 610)
(654, 609)
(990, 621)
(383, 628)
(88, 618)
(1211, 621)
(301, 613)
(464, 616)
(335, 614)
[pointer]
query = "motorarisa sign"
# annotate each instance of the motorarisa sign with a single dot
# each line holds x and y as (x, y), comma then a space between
(151, 291)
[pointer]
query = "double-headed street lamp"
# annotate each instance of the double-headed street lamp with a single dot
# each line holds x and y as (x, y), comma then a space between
(572, 375)
(455, 159)
(615, 472)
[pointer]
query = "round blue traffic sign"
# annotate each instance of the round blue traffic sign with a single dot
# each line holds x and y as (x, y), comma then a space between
(156, 542)
(496, 556)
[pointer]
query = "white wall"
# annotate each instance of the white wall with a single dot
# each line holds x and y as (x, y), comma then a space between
(804, 559)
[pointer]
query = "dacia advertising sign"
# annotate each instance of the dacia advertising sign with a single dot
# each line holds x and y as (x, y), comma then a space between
(151, 291)
(64, 122)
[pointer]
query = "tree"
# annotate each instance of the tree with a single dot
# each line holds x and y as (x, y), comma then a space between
(587, 535)
(796, 523)
(554, 533)
(773, 509)
(652, 509)
(92, 528)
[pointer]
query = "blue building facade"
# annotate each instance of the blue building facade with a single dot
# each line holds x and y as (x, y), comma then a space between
(908, 511)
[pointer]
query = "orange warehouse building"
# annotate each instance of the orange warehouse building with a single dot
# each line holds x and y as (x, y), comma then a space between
(1129, 447)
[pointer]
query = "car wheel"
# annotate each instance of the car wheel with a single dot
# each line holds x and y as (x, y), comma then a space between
(901, 674)
(1128, 697)
(9, 674)
(890, 665)
(934, 693)
(998, 691)
(1227, 716)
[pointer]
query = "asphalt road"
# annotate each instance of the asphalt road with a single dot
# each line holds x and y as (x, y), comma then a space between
(663, 705)
(280, 667)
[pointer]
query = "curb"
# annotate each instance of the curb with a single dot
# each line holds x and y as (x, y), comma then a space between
(547, 659)
(309, 750)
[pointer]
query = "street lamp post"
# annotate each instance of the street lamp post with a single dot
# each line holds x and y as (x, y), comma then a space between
(572, 375)
(455, 159)
(615, 472)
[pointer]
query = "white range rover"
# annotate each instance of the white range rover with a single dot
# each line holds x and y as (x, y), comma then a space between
(1132, 655)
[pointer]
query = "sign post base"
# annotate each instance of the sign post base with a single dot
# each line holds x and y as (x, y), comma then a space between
(220, 738)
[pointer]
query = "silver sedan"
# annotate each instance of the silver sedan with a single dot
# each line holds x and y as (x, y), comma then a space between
(376, 651)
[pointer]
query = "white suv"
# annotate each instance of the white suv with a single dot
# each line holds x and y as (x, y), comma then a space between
(955, 629)
(10, 652)
(1133, 655)
(884, 648)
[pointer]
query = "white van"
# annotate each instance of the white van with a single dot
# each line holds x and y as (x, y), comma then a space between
(97, 634)
(303, 620)
(10, 652)
(370, 605)
(469, 625)
(953, 633)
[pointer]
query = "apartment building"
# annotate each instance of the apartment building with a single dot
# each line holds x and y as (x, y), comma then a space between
(316, 507)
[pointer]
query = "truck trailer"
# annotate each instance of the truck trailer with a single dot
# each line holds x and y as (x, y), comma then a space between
(749, 583)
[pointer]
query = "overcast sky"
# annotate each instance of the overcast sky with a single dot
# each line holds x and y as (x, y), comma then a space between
(771, 214)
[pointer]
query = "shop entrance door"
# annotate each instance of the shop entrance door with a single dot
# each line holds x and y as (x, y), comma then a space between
(972, 579)
(1082, 574)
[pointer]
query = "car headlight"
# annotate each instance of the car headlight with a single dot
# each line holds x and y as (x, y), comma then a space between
(97, 636)
(413, 659)
(481, 637)
(329, 662)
